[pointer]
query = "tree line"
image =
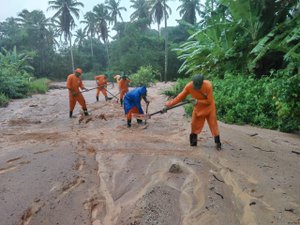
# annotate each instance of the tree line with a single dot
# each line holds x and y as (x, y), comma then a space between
(50, 40)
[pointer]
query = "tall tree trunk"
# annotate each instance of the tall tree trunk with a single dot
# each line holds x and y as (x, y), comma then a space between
(158, 28)
(92, 52)
(107, 53)
(71, 50)
(166, 43)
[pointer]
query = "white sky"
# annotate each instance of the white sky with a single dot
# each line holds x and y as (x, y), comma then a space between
(11, 8)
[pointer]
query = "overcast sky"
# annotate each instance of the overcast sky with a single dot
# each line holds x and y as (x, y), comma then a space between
(11, 8)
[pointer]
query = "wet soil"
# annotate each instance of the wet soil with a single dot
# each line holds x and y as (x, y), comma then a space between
(94, 170)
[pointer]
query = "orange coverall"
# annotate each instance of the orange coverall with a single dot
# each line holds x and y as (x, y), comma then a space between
(73, 84)
(123, 87)
(205, 108)
(117, 78)
(101, 82)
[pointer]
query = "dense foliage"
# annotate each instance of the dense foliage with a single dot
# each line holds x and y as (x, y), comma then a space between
(270, 102)
(146, 75)
(258, 44)
(16, 77)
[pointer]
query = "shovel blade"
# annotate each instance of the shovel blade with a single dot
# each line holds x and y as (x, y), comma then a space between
(140, 116)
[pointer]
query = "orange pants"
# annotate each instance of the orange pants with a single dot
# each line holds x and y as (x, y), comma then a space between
(133, 110)
(78, 98)
(198, 123)
(101, 90)
(122, 94)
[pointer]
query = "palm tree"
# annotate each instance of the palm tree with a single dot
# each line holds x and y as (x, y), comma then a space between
(80, 36)
(158, 11)
(141, 10)
(102, 18)
(90, 28)
(189, 9)
(114, 9)
(65, 10)
(24, 17)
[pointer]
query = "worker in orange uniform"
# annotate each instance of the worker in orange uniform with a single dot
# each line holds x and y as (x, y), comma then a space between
(74, 82)
(204, 108)
(123, 87)
(101, 81)
(117, 78)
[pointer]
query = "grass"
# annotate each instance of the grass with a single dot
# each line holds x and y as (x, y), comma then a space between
(3, 100)
(39, 86)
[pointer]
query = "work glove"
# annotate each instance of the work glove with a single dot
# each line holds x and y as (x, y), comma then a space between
(164, 110)
(194, 101)
(74, 94)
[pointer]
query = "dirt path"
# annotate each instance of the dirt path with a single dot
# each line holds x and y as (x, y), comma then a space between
(95, 171)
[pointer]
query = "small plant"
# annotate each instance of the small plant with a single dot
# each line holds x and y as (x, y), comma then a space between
(146, 75)
(39, 86)
(3, 100)
(177, 88)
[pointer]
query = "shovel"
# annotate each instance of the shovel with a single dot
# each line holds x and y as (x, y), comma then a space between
(112, 94)
(86, 90)
(148, 116)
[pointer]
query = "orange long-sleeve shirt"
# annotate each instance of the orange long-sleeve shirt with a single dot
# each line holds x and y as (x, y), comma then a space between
(205, 103)
(123, 84)
(74, 83)
(101, 80)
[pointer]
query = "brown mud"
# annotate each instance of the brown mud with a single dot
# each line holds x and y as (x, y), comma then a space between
(94, 170)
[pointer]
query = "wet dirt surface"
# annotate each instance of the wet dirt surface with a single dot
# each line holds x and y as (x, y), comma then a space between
(94, 170)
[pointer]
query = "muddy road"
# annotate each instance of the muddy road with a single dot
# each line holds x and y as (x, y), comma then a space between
(95, 171)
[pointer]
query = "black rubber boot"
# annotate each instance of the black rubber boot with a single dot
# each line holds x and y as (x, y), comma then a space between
(86, 112)
(218, 143)
(193, 139)
(71, 114)
(121, 101)
(128, 123)
(139, 121)
(97, 98)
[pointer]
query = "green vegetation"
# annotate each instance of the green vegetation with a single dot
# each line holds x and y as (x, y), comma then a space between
(267, 102)
(16, 80)
(251, 52)
(144, 76)
(250, 49)
(3, 100)
(39, 86)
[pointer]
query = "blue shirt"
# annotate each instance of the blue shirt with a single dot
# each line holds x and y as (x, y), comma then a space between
(133, 99)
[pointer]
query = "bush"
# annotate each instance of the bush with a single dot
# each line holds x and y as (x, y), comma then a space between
(3, 100)
(39, 86)
(267, 102)
(90, 75)
(146, 75)
(177, 88)
(13, 83)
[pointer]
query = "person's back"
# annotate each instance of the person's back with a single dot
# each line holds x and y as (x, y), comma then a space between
(123, 84)
(101, 80)
(132, 103)
(123, 87)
